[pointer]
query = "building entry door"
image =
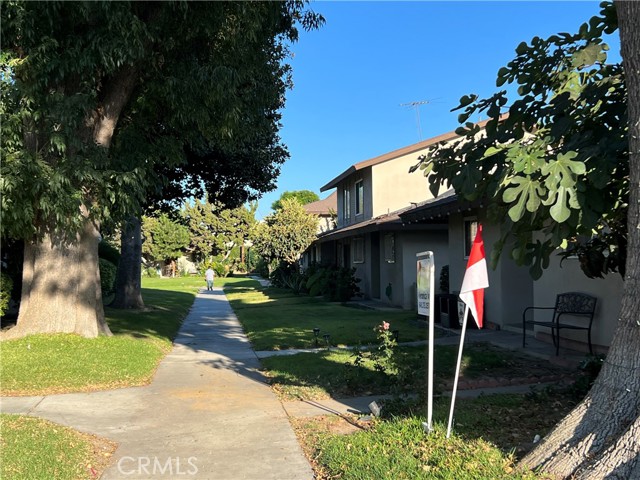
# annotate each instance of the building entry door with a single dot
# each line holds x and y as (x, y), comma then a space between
(346, 255)
(375, 265)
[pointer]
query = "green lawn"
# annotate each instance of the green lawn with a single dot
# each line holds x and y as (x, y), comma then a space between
(490, 434)
(59, 363)
(309, 376)
(275, 319)
(35, 449)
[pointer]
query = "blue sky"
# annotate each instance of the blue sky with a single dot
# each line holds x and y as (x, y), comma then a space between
(352, 75)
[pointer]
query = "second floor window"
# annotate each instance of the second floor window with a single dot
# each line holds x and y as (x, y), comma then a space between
(359, 197)
(346, 204)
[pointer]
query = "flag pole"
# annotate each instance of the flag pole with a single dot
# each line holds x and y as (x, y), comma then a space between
(431, 347)
(455, 382)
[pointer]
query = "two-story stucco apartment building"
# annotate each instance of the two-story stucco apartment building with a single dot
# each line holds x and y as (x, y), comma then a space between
(386, 215)
(369, 235)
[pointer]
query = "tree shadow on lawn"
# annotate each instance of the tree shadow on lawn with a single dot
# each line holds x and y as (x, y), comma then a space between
(333, 373)
(152, 322)
(509, 421)
(313, 376)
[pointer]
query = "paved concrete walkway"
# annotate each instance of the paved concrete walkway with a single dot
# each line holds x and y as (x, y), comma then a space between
(207, 414)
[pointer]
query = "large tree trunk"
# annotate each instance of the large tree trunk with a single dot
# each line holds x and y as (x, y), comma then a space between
(600, 438)
(61, 287)
(128, 288)
(61, 280)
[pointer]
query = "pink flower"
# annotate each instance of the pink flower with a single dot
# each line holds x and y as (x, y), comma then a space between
(385, 326)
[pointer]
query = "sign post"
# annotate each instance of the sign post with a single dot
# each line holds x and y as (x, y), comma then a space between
(425, 290)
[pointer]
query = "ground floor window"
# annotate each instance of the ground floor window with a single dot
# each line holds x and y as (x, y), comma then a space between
(470, 230)
(358, 250)
(390, 248)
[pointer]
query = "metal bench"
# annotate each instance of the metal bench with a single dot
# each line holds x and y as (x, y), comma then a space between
(579, 306)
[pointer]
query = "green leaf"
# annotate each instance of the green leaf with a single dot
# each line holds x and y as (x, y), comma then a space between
(522, 48)
(562, 172)
(467, 100)
(526, 193)
(560, 201)
(489, 152)
(503, 76)
(426, 168)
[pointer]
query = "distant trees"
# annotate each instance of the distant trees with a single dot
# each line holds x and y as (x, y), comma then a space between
(301, 196)
(216, 232)
(165, 240)
(286, 234)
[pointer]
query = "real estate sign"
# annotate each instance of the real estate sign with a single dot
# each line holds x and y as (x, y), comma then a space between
(424, 281)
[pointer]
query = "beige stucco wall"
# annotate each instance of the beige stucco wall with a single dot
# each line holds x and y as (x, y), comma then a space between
(510, 286)
(325, 223)
(569, 278)
(394, 187)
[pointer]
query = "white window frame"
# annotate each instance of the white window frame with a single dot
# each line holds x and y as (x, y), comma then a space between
(359, 189)
(346, 204)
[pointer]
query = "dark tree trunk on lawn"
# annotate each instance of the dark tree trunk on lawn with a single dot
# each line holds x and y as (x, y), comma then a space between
(600, 438)
(128, 288)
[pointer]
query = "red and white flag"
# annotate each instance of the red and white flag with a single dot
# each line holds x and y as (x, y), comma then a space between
(475, 279)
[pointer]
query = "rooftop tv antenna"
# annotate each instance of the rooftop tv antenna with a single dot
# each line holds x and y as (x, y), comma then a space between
(416, 106)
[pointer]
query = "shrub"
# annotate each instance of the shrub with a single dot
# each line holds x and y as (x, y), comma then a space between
(107, 276)
(220, 268)
(251, 259)
(262, 267)
(6, 287)
(108, 252)
(151, 272)
(288, 276)
(336, 284)
(590, 368)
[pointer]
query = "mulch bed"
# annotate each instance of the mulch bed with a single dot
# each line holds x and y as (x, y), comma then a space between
(518, 369)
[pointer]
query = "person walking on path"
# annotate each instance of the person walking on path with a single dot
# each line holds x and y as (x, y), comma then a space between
(208, 276)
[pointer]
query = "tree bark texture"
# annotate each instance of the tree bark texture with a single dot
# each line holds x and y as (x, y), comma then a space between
(128, 288)
(115, 96)
(61, 287)
(600, 438)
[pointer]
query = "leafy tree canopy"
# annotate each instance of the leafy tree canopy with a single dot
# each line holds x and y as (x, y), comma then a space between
(107, 104)
(554, 162)
(164, 239)
(286, 234)
(301, 196)
(215, 230)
